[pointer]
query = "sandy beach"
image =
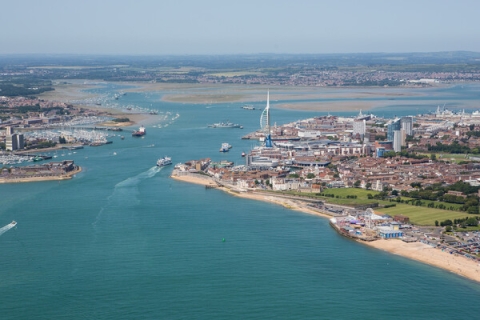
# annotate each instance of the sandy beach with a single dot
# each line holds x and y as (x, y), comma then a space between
(424, 253)
(416, 251)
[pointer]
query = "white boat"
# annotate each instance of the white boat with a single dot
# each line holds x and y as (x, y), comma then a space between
(225, 147)
(165, 161)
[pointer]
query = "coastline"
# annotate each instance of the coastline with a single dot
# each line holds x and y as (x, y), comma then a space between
(415, 251)
(67, 176)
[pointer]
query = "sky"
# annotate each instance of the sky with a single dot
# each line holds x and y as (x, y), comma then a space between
(159, 27)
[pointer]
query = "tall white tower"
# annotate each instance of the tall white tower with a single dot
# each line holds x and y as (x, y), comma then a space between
(265, 123)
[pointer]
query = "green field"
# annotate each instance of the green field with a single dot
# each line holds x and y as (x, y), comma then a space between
(423, 216)
(418, 215)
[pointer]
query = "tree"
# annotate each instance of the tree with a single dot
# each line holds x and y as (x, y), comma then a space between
(416, 185)
(433, 156)
(471, 222)
(436, 223)
(310, 175)
(394, 193)
(357, 184)
(368, 185)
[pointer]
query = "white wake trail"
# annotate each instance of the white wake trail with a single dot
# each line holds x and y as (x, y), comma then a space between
(124, 195)
(7, 227)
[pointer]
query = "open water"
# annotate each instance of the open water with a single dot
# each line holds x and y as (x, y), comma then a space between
(124, 241)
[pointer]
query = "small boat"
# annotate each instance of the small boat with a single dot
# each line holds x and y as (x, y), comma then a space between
(13, 223)
(243, 154)
(122, 137)
(165, 161)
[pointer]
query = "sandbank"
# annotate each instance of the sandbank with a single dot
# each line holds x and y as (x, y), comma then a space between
(330, 99)
(416, 251)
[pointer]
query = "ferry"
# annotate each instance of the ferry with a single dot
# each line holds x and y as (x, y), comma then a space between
(225, 147)
(165, 161)
(226, 124)
(140, 132)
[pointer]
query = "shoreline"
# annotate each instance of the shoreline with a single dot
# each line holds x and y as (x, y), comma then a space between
(417, 251)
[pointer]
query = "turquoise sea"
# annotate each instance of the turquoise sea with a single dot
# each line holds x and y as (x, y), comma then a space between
(122, 240)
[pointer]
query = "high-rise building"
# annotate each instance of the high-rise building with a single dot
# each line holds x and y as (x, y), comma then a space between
(397, 140)
(406, 123)
(359, 126)
(14, 142)
(8, 131)
(394, 125)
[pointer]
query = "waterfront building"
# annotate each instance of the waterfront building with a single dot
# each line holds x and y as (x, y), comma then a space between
(260, 163)
(14, 142)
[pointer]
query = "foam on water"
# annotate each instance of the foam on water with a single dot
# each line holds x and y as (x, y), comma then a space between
(6, 228)
(124, 195)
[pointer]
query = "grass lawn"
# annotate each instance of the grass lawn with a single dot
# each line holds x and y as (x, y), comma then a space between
(423, 216)
(418, 215)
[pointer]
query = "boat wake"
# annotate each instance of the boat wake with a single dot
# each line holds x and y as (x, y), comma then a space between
(125, 195)
(7, 227)
(133, 181)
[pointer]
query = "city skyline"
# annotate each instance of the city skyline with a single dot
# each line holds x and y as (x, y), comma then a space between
(216, 27)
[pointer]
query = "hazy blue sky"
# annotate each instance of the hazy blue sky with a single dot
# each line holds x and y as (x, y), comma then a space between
(241, 26)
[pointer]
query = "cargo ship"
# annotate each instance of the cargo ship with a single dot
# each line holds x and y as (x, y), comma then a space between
(140, 132)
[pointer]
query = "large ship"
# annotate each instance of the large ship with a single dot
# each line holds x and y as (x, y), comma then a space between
(226, 124)
(140, 132)
(165, 161)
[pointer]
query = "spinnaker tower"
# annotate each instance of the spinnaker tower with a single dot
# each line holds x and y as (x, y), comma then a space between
(265, 123)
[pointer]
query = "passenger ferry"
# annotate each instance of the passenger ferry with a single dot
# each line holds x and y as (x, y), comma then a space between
(165, 161)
